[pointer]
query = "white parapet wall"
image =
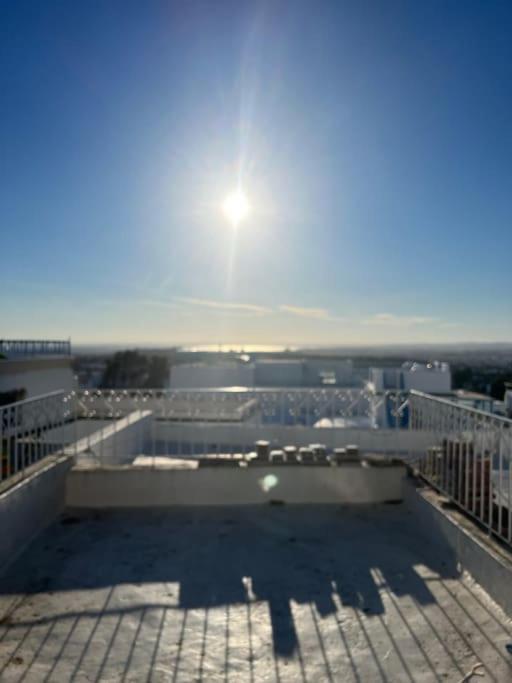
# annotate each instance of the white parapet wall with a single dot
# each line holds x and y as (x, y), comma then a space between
(204, 437)
(139, 487)
(488, 562)
(29, 506)
(115, 442)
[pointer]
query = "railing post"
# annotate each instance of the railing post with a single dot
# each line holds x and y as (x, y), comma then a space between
(75, 421)
(2, 417)
(16, 449)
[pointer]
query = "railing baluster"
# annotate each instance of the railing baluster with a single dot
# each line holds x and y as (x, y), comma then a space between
(500, 492)
(509, 492)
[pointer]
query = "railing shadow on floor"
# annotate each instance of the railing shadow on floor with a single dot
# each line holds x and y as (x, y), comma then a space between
(210, 588)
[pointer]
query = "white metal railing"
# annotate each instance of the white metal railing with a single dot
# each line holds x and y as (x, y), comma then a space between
(464, 453)
(93, 424)
(467, 457)
(292, 407)
(35, 347)
(26, 428)
(204, 421)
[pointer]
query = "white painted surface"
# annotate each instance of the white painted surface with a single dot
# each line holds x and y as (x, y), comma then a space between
(263, 594)
(472, 550)
(286, 372)
(76, 430)
(206, 376)
(227, 485)
(508, 402)
(27, 508)
(235, 437)
(279, 373)
(432, 379)
(117, 442)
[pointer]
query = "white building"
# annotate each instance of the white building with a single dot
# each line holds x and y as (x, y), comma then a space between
(432, 378)
(32, 368)
(209, 376)
(508, 401)
(280, 372)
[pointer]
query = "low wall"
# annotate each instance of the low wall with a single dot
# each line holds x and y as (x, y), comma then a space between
(134, 486)
(204, 437)
(118, 442)
(487, 562)
(28, 507)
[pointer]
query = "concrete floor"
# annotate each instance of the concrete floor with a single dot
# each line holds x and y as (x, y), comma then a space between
(247, 594)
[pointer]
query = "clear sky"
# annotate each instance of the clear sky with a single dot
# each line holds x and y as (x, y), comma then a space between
(373, 141)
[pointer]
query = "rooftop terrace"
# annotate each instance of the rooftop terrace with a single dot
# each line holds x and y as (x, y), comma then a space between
(164, 549)
(296, 593)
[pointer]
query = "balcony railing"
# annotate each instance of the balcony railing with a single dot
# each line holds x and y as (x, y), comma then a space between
(184, 423)
(289, 407)
(12, 348)
(25, 427)
(467, 458)
(463, 453)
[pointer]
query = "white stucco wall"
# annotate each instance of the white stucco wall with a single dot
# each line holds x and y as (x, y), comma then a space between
(204, 376)
(116, 442)
(28, 507)
(275, 373)
(429, 381)
(156, 487)
(235, 435)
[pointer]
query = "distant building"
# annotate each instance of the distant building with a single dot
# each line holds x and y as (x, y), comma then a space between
(210, 376)
(507, 400)
(90, 372)
(432, 378)
(276, 372)
(30, 368)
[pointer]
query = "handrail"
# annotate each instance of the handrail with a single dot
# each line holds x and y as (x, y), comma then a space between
(35, 347)
(33, 399)
(459, 406)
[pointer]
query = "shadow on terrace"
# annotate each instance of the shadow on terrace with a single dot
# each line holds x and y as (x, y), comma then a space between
(182, 560)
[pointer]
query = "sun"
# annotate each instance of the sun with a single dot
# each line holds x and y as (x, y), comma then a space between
(236, 207)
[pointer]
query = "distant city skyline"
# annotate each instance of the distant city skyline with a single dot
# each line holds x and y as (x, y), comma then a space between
(372, 143)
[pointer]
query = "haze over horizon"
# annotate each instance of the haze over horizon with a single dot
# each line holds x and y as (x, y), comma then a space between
(332, 173)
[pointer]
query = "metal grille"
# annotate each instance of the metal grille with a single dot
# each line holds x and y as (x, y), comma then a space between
(467, 458)
(26, 431)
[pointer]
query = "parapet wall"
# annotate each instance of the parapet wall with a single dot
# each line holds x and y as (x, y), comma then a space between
(489, 563)
(29, 506)
(136, 487)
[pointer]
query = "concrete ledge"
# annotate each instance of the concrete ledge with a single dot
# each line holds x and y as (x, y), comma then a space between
(28, 507)
(117, 442)
(488, 562)
(136, 487)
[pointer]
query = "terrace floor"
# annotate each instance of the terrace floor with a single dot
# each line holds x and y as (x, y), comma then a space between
(252, 594)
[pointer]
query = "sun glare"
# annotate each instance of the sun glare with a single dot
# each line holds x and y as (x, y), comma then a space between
(236, 207)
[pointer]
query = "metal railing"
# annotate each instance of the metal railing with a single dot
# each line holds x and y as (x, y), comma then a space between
(31, 430)
(202, 422)
(98, 424)
(32, 347)
(464, 453)
(467, 458)
(291, 407)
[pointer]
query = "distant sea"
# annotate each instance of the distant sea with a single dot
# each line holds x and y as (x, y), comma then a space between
(238, 348)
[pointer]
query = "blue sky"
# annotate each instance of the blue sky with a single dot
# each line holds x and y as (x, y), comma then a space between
(373, 140)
